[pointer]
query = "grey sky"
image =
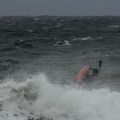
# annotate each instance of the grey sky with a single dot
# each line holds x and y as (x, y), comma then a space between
(59, 7)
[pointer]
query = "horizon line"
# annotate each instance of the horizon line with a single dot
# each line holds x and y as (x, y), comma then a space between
(59, 15)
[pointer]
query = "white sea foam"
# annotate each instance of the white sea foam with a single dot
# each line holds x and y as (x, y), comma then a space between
(36, 19)
(59, 102)
(86, 38)
(114, 26)
(83, 38)
(62, 43)
(66, 42)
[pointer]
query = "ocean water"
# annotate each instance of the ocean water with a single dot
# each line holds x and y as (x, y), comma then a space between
(39, 59)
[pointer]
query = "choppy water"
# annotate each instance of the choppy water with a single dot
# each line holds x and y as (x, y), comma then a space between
(39, 59)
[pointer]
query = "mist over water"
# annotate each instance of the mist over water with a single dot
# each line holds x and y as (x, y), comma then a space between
(39, 59)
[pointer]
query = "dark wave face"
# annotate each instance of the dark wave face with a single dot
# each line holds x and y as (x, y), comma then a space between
(62, 44)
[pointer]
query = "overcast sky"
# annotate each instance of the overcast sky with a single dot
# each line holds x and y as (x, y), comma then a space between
(59, 7)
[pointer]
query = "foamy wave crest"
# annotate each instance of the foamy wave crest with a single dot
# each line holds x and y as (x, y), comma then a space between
(38, 97)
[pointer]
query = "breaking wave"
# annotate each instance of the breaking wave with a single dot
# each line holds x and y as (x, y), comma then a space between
(37, 97)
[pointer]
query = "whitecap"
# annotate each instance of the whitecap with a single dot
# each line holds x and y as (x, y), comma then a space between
(83, 38)
(114, 26)
(36, 19)
(62, 43)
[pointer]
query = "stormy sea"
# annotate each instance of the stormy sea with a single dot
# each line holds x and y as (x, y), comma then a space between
(40, 57)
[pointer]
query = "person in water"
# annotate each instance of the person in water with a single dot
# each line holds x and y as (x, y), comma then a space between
(88, 72)
(95, 71)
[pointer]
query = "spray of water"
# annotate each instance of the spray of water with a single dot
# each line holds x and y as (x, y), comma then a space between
(62, 102)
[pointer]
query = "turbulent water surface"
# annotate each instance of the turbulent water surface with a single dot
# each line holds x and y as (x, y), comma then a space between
(39, 59)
